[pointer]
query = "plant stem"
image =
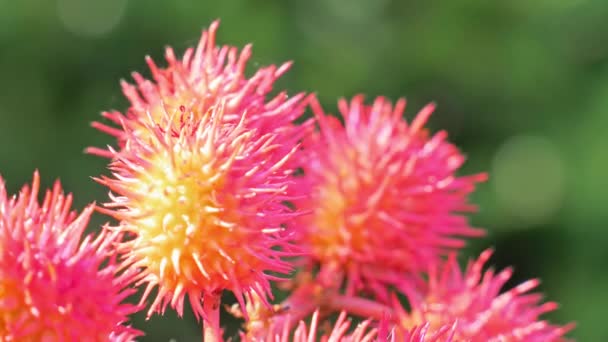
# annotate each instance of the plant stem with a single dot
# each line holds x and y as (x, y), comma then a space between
(298, 305)
(211, 325)
(359, 306)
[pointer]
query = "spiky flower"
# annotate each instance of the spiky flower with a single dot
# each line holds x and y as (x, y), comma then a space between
(302, 332)
(204, 203)
(472, 298)
(198, 82)
(385, 197)
(53, 287)
(342, 331)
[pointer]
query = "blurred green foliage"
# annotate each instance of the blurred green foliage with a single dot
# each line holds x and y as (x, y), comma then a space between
(521, 86)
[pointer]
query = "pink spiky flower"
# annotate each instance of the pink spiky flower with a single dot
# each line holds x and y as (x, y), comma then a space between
(202, 176)
(302, 332)
(472, 299)
(385, 197)
(198, 82)
(53, 287)
(204, 204)
(342, 331)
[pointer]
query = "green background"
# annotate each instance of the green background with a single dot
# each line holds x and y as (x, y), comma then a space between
(521, 87)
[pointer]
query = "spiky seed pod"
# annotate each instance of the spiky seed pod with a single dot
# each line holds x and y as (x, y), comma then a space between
(53, 286)
(204, 204)
(302, 332)
(343, 331)
(385, 196)
(473, 299)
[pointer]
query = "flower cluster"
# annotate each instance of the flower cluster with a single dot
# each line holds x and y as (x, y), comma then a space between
(214, 187)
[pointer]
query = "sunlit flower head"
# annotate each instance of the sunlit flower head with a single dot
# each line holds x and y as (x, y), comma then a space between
(385, 197)
(204, 204)
(53, 286)
(472, 299)
(199, 81)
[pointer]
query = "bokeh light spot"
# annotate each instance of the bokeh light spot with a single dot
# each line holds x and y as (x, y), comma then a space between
(90, 18)
(528, 178)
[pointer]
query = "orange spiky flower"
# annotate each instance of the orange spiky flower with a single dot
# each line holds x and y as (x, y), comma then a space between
(472, 299)
(204, 203)
(385, 197)
(53, 287)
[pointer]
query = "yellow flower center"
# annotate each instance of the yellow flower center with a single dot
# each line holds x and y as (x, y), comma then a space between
(190, 233)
